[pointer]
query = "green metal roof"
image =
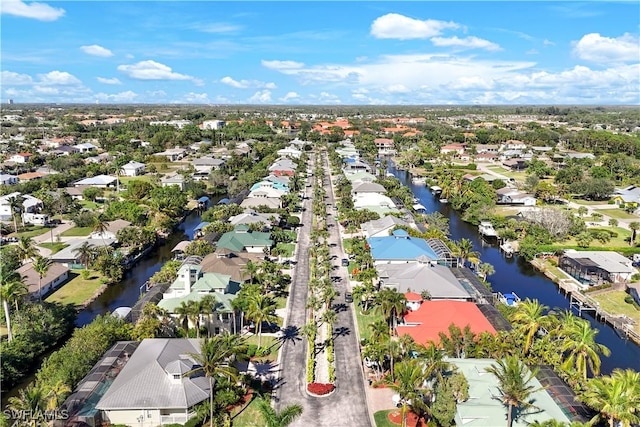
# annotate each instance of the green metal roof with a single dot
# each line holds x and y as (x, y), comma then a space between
(241, 237)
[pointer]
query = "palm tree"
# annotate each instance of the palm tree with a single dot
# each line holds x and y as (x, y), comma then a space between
(85, 253)
(101, 226)
(250, 269)
(41, 265)
(634, 226)
(261, 309)
(583, 350)
(615, 397)
(11, 291)
(215, 359)
(16, 205)
(485, 269)
(409, 379)
(391, 304)
(183, 311)
(26, 248)
(514, 383)
(29, 400)
(55, 394)
(530, 317)
(464, 249)
(282, 418)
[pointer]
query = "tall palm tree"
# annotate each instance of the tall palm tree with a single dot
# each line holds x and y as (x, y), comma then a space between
(183, 311)
(485, 269)
(514, 380)
(55, 394)
(250, 269)
(26, 248)
(41, 265)
(391, 304)
(16, 206)
(85, 253)
(215, 359)
(583, 352)
(261, 309)
(530, 318)
(409, 379)
(282, 418)
(29, 400)
(634, 226)
(11, 291)
(464, 249)
(615, 397)
(101, 226)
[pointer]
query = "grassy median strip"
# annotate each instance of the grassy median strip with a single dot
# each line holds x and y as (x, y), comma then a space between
(77, 291)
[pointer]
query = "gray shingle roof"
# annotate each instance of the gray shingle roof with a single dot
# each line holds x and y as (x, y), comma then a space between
(145, 383)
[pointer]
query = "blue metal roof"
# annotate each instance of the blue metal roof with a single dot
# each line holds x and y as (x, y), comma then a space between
(203, 199)
(400, 246)
(201, 226)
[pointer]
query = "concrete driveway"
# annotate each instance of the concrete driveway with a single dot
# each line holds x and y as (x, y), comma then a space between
(347, 406)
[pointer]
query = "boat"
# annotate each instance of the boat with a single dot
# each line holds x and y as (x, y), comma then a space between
(419, 208)
(390, 175)
(436, 189)
(510, 298)
(485, 228)
(419, 180)
(509, 248)
(443, 200)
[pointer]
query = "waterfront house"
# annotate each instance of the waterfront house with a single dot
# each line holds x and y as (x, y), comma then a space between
(243, 239)
(231, 263)
(249, 216)
(381, 227)
(112, 228)
(483, 409)
(256, 202)
(175, 179)
(399, 248)
(596, 267)
(431, 318)
(360, 177)
(375, 202)
(56, 275)
(512, 196)
(69, 256)
(366, 187)
(283, 166)
(152, 388)
(100, 181)
(628, 196)
(6, 179)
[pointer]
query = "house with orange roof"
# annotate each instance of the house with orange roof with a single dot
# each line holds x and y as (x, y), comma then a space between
(20, 157)
(351, 133)
(453, 148)
(432, 317)
(30, 176)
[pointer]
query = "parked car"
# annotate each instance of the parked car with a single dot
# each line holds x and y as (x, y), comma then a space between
(345, 262)
(348, 297)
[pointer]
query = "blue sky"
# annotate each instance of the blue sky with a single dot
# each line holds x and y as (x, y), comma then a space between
(434, 53)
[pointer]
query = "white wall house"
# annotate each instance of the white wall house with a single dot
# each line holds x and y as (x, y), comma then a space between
(133, 168)
(30, 204)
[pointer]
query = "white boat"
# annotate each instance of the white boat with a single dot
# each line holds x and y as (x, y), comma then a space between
(419, 180)
(486, 229)
(390, 175)
(510, 298)
(436, 189)
(443, 200)
(419, 208)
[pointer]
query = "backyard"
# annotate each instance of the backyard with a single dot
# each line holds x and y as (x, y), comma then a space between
(78, 290)
(614, 302)
(617, 214)
(77, 231)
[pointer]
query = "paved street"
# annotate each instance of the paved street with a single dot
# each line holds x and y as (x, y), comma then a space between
(347, 406)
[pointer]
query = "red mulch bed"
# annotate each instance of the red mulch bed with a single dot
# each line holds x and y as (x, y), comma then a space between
(395, 417)
(246, 399)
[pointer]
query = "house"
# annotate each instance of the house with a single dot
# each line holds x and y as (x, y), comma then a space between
(515, 164)
(278, 185)
(283, 167)
(243, 239)
(111, 230)
(431, 318)
(385, 146)
(252, 217)
(512, 196)
(213, 124)
(175, 179)
(192, 284)
(20, 157)
(65, 150)
(85, 147)
(173, 154)
(133, 168)
(596, 267)
(290, 152)
(367, 187)
(360, 176)
(152, 388)
(487, 157)
(56, 275)
(436, 280)
(352, 165)
(70, 257)
(375, 202)
(100, 181)
(30, 204)
(230, 263)
(487, 148)
(456, 149)
(483, 409)
(30, 176)
(381, 227)
(255, 202)
(514, 144)
(628, 196)
(6, 179)
(207, 164)
(399, 248)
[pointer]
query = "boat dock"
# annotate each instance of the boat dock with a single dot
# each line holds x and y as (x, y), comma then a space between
(485, 228)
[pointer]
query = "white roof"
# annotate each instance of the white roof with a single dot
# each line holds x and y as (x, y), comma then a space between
(133, 165)
(97, 180)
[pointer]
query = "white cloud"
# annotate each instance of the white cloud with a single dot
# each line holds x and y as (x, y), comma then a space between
(152, 70)
(217, 28)
(261, 96)
(396, 26)
(547, 42)
(34, 10)
(196, 98)
(127, 96)
(282, 65)
(397, 88)
(467, 43)
(107, 81)
(596, 48)
(96, 50)
(245, 84)
(290, 96)
(58, 78)
(11, 78)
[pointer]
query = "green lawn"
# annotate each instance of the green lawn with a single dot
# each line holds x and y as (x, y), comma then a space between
(148, 178)
(54, 247)
(88, 204)
(613, 302)
(615, 242)
(287, 249)
(588, 202)
(346, 244)
(78, 290)
(519, 176)
(382, 419)
(270, 342)
(77, 231)
(364, 320)
(247, 416)
(617, 214)
(30, 231)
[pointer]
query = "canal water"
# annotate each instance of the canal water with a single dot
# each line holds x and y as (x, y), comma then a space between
(516, 275)
(127, 291)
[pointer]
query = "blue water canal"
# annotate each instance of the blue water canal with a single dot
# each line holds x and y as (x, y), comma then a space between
(516, 275)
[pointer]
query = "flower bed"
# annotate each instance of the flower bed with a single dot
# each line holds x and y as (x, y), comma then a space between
(320, 389)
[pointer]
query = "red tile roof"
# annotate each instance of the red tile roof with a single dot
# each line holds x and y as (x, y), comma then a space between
(435, 316)
(412, 296)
